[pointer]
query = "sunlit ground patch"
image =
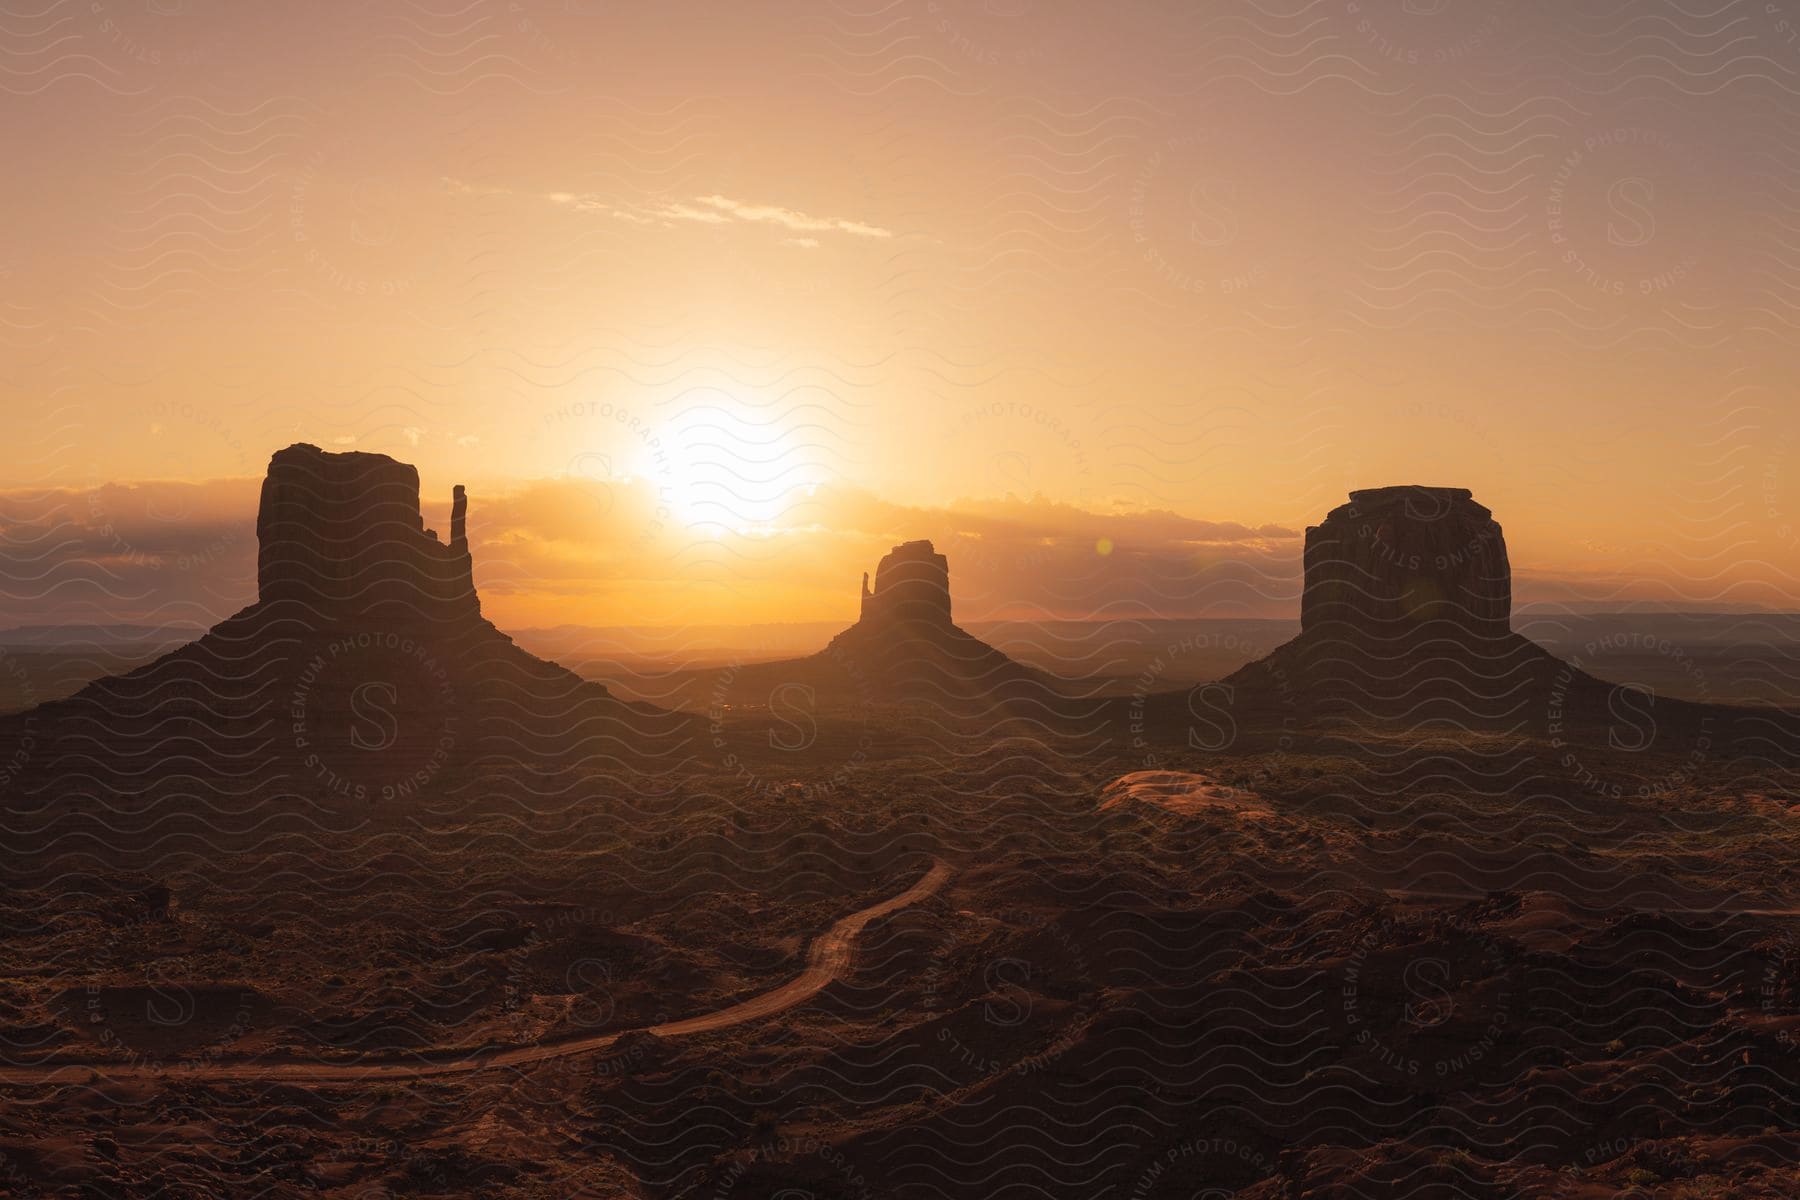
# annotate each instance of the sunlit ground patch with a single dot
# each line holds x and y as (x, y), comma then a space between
(1186, 793)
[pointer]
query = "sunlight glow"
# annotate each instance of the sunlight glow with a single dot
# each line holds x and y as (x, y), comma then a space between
(734, 466)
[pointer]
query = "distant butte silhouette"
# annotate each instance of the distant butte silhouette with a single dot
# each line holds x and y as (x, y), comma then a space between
(1406, 615)
(904, 648)
(912, 583)
(363, 671)
(1397, 558)
(342, 536)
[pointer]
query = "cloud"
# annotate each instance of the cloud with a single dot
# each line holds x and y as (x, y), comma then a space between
(609, 551)
(798, 221)
(141, 552)
(611, 545)
(604, 551)
(702, 210)
(687, 212)
(719, 210)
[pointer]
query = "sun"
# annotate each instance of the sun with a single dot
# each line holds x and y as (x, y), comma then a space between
(734, 465)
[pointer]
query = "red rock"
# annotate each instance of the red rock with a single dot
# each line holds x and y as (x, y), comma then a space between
(1407, 612)
(342, 535)
(1396, 558)
(912, 583)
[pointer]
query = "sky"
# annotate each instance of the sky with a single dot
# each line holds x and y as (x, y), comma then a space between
(709, 304)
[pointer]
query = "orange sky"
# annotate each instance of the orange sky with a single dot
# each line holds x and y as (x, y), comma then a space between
(819, 278)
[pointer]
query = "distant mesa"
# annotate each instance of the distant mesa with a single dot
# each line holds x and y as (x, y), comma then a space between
(364, 670)
(343, 535)
(1406, 614)
(1396, 559)
(904, 648)
(912, 583)
(343, 550)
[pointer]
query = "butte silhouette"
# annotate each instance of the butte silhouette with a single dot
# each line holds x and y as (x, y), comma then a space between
(364, 672)
(1407, 609)
(1406, 621)
(904, 648)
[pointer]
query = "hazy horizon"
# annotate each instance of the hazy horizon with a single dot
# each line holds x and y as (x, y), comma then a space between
(555, 551)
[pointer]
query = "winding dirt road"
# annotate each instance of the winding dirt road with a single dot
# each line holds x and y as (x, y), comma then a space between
(826, 960)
